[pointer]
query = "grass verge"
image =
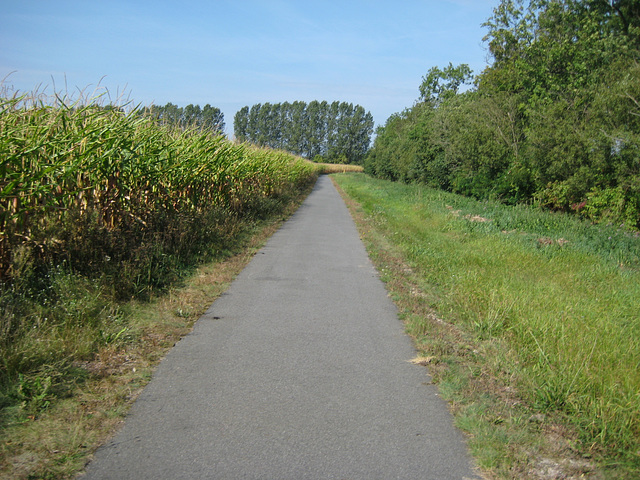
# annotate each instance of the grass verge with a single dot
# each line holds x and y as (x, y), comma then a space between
(51, 434)
(528, 322)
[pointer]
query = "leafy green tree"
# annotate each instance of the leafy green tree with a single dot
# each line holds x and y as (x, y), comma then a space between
(168, 114)
(440, 85)
(241, 124)
(624, 16)
(191, 116)
(359, 127)
(213, 119)
(297, 120)
(316, 128)
(253, 123)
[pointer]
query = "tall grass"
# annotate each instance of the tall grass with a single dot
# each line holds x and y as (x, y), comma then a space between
(99, 203)
(562, 295)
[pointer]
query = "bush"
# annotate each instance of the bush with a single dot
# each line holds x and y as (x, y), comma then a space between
(613, 205)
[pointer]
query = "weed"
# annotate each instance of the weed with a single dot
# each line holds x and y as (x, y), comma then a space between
(34, 394)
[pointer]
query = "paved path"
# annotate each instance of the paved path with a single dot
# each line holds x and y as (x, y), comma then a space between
(300, 371)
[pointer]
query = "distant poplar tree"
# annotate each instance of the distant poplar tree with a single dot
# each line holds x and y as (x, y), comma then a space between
(241, 124)
(336, 132)
(207, 118)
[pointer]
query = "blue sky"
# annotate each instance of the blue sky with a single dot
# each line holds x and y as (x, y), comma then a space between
(240, 52)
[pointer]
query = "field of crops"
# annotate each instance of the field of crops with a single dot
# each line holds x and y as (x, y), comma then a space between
(124, 172)
(100, 204)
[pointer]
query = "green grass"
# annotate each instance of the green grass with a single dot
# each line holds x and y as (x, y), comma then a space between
(541, 311)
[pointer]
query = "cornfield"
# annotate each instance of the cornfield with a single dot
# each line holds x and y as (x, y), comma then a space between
(69, 172)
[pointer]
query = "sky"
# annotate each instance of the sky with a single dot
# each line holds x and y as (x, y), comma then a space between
(232, 53)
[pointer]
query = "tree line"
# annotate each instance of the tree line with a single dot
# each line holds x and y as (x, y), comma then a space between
(554, 120)
(191, 116)
(336, 132)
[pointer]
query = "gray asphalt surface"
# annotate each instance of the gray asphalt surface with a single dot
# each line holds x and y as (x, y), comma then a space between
(300, 371)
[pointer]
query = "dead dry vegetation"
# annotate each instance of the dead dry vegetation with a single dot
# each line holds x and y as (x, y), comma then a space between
(328, 168)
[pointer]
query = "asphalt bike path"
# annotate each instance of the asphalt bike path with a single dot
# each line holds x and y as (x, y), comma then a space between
(301, 370)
